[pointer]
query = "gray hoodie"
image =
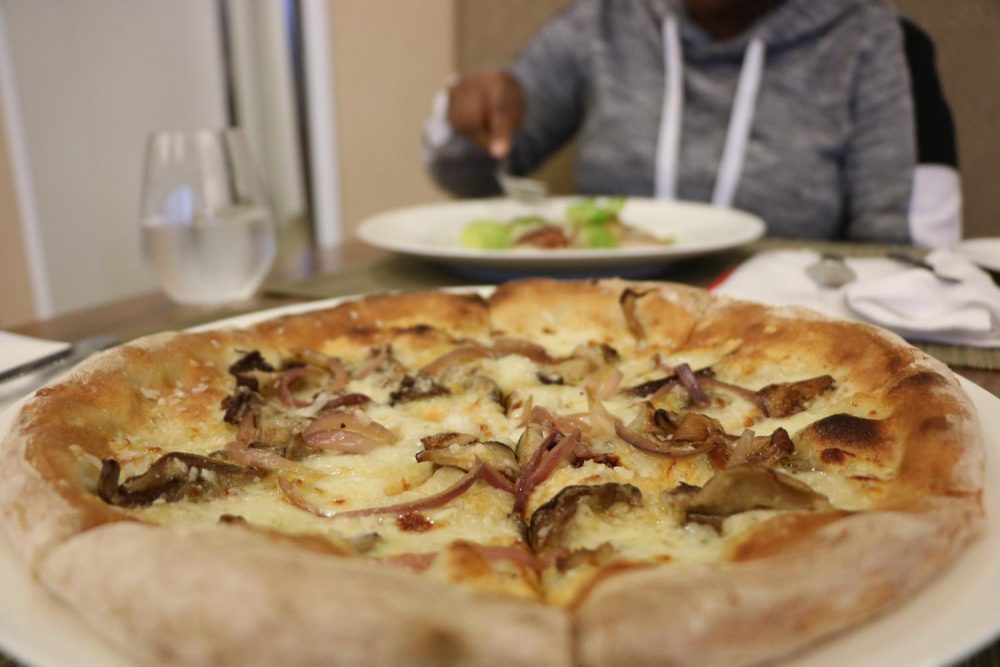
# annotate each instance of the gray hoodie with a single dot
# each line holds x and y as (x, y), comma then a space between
(806, 119)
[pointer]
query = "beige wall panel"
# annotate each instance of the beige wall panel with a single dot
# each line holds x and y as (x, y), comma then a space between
(16, 303)
(967, 36)
(390, 57)
(489, 34)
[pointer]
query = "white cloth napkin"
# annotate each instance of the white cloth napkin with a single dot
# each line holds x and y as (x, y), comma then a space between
(910, 301)
(16, 349)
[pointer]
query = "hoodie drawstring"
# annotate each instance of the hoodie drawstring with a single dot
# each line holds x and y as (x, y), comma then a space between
(740, 119)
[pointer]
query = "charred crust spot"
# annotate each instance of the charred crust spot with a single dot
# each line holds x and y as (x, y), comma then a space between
(648, 388)
(833, 455)
(234, 519)
(418, 329)
(849, 429)
(414, 522)
(550, 378)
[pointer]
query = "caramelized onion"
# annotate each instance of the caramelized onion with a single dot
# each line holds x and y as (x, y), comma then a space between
(522, 348)
(610, 385)
(742, 449)
(658, 447)
(602, 423)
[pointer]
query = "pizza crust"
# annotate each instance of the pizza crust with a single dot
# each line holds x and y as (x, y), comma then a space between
(750, 612)
(224, 596)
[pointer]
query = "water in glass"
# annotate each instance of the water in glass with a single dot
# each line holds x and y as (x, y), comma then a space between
(207, 230)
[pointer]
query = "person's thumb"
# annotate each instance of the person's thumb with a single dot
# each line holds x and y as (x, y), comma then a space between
(504, 118)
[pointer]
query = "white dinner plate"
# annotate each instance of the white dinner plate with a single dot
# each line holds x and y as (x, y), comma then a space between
(957, 614)
(432, 232)
(985, 252)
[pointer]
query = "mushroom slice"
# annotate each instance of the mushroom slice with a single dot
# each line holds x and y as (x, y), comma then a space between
(789, 398)
(550, 522)
(464, 456)
(439, 440)
(744, 488)
(172, 477)
(415, 388)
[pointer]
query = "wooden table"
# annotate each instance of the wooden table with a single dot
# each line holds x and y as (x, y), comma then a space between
(150, 313)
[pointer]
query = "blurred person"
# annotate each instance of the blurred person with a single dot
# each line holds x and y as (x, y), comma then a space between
(804, 112)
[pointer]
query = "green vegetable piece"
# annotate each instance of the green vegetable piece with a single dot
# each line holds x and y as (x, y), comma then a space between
(589, 211)
(485, 235)
(597, 236)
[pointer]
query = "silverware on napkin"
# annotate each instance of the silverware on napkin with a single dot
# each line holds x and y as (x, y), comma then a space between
(62, 359)
(830, 270)
(921, 264)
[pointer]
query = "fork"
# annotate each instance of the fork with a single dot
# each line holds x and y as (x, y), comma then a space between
(921, 264)
(519, 188)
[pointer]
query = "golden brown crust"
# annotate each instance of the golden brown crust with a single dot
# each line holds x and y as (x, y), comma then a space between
(903, 433)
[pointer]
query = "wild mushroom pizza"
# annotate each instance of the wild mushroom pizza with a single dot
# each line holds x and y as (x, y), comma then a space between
(561, 473)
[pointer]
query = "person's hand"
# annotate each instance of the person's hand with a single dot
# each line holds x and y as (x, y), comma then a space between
(487, 107)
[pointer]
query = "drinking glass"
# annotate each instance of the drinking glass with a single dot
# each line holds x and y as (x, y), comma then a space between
(207, 229)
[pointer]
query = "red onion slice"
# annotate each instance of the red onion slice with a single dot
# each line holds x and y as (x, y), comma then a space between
(456, 356)
(555, 456)
(376, 359)
(496, 479)
(414, 562)
(437, 500)
(283, 387)
(340, 440)
(353, 421)
(690, 383)
(239, 451)
(346, 401)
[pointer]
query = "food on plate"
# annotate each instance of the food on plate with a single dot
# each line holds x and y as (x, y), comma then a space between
(588, 223)
(558, 473)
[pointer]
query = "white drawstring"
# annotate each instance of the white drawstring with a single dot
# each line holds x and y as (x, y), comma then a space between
(744, 104)
(668, 148)
(740, 120)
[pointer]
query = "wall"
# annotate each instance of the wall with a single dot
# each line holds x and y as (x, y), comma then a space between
(389, 58)
(92, 78)
(16, 304)
(967, 36)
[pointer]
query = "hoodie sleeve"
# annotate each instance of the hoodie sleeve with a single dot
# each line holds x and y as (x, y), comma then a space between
(880, 155)
(550, 70)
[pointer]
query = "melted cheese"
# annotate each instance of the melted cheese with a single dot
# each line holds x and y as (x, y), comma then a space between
(390, 474)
